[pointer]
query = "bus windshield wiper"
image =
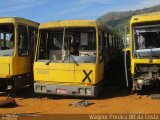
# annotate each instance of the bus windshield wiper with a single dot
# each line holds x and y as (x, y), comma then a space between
(49, 61)
(70, 56)
(74, 60)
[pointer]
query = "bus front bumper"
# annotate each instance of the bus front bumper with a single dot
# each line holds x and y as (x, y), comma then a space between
(67, 90)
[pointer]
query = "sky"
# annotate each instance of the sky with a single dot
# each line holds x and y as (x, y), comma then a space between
(52, 10)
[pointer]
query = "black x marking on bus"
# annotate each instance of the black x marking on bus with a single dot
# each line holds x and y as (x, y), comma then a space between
(87, 76)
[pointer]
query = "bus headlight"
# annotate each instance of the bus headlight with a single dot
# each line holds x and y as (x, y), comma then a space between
(43, 88)
(140, 81)
(82, 91)
(88, 91)
(38, 87)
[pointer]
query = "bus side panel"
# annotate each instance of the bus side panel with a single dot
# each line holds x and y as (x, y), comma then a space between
(100, 71)
(8, 66)
(60, 72)
(5, 69)
(14, 67)
(24, 65)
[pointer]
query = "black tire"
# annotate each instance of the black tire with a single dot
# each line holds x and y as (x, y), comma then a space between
(3, 85)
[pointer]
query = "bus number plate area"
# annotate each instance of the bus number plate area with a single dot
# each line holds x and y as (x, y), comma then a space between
(61, 91)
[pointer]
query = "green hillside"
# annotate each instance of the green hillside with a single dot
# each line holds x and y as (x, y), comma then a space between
(118, 20)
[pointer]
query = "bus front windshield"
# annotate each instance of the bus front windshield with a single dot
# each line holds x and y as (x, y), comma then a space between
(67, 45)
(6, 40)
(147, 41)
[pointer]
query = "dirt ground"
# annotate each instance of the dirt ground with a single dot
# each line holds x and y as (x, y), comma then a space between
(115, 100)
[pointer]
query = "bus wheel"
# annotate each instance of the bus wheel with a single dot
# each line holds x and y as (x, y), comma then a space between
(3, 85)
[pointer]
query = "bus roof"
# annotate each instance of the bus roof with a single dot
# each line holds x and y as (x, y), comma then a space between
(146, 17)
(76, 23)
(18, 19)
(69, 23)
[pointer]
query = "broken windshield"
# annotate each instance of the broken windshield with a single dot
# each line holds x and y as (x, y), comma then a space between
(67, 45)
(147, 41)
(6, 40)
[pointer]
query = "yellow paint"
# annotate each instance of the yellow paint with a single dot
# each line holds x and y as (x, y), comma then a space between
(142, 18)
(127, 49)
(5, 69)
(69, 23)
(147, 17)
(63, 72)
(69, 72)
(15, 65)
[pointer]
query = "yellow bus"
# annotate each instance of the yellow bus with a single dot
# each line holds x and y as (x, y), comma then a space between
(145, 49)
(70, 57)
(17, 47)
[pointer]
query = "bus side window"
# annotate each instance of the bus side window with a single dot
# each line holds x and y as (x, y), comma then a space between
(116, 42)
(32, 41)
(42, 54)
(23, 41)
(107, 40)
(110, 41)
(104, 39)
(100, 46)
(32, 38)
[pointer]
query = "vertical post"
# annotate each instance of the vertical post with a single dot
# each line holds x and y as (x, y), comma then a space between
(0, 41)
(125, 53)
(118, 43)
(115, 42)
(108, 45)
(63, 49)
(112, 41)
(4, 40)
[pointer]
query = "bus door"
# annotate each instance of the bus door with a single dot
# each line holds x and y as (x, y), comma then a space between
(32, 41)
(23, 50)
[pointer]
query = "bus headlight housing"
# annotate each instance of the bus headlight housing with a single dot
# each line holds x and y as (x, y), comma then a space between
(88, 91)
(82, 91)
(85, 91)
(38, 87)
